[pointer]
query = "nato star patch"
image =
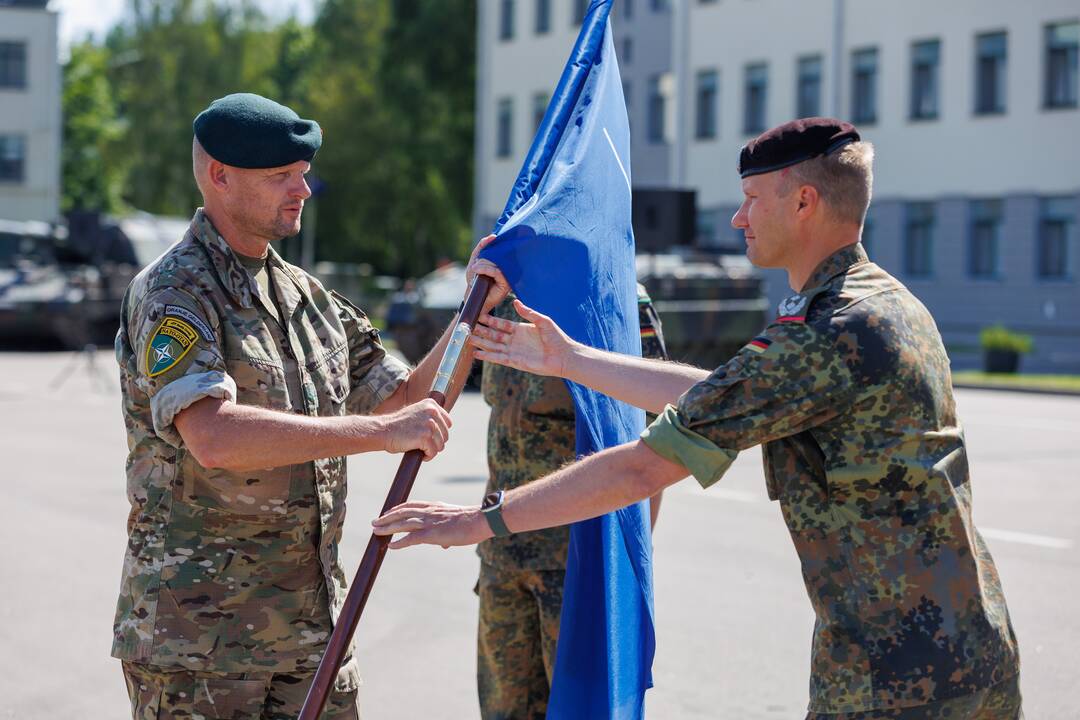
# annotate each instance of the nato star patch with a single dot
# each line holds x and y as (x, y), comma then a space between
(169, 343)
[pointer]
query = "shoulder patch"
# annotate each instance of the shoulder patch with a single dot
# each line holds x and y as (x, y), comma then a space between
(170, 341)
(758, 345)
(192, 318)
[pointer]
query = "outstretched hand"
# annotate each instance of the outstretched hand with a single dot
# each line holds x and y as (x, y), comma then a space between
(432, 523)
(538, 346)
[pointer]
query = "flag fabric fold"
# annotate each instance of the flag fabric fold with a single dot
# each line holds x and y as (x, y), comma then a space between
(566, 246)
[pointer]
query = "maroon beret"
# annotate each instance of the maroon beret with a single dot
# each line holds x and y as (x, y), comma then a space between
(793, 142)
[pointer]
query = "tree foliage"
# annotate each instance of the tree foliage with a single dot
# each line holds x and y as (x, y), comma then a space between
(390, 81)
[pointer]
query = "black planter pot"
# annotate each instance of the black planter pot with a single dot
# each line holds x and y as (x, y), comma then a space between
(1001, 361)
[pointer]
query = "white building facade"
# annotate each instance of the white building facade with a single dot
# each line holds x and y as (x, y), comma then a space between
(30, 120)
(972, 106)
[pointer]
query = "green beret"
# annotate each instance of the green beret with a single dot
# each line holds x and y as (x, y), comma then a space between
(249, 131)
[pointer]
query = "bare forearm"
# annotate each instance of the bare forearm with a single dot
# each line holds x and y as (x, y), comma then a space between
(599, 484)
(643, 383)
(242, 437)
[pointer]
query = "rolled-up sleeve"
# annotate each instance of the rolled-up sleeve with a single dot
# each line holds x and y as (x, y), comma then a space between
(179, 357)
(374, 375)
(785, 381)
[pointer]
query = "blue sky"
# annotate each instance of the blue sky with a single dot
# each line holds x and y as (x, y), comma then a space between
(80, 17)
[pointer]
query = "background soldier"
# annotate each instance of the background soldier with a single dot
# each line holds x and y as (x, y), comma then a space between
(530, 434)
(849, 393)
(244, 384)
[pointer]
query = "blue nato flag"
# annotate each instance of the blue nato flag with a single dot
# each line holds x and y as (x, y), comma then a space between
(566, 246)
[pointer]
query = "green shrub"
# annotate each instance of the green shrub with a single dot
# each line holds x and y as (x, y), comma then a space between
(998, 337)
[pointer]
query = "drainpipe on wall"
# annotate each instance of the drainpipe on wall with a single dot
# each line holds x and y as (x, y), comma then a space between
(680, 61)
(837, 58)
(480, 171)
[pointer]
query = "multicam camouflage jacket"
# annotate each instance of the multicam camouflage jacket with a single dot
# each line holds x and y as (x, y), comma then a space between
(850, 393)
(235, 571)
(531, 434)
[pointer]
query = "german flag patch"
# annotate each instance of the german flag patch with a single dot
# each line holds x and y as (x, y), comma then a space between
(759, 344)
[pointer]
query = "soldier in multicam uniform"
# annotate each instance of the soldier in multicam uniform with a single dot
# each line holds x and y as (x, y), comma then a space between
(849, 393)
(530, 434)
(244, 384)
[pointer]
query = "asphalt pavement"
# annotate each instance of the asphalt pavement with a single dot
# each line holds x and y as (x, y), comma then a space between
(734, 624)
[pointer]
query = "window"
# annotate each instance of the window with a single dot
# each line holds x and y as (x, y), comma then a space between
(808, 93)
(919, 240)
(660, 5)
(12, 64)
(540, 103)
(12, 158)
(628, 9)
(1062, 40)
(984, 241)
(925, 59)
(705, 117)
(654, 126)
(543, 16)
(506, 19)
(757, 78)
(580, 6)
(627, 54)
(1057, 216)
(990, 73)
(504, 129)
(864, 69)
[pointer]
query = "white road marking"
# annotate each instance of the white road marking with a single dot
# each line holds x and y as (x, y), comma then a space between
(1054, 543)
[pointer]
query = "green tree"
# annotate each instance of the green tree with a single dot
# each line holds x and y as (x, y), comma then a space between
(393, 87)
(171, 59)
(92, 178)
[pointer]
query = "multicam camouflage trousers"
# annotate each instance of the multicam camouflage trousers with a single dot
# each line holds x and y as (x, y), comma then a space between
(159, 693)
(519, 629)
(1000, 702)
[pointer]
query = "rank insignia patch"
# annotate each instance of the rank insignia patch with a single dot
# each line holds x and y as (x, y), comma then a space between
(169, 343)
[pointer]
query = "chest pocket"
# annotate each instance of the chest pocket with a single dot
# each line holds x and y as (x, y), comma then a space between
(330, 375)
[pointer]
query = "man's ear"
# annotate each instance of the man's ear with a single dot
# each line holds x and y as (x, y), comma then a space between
(808, 199)
(218, 175)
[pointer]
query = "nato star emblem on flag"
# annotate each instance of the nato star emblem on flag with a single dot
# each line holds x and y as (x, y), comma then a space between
(170, 342)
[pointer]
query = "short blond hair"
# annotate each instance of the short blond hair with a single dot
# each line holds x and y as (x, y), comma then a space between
(844, 180)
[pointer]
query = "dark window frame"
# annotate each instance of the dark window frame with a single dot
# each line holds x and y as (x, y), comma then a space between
(986, 218)
(1061, 223)
(656, 109)
(755, 97)
(13, 168)
(506, 20)
(925, 80)
(920, 219)
(504, 128)
(991, 73)
(706, 97)
(542, 17)
(1066, 58)
(13, 65)
(804, 107)
(864, 85)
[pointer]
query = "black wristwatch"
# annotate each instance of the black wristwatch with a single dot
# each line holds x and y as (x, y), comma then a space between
(492, 510)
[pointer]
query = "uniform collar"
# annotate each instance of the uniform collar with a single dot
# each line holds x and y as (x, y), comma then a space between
(235, 278)
(838, 263)
(232, 275)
